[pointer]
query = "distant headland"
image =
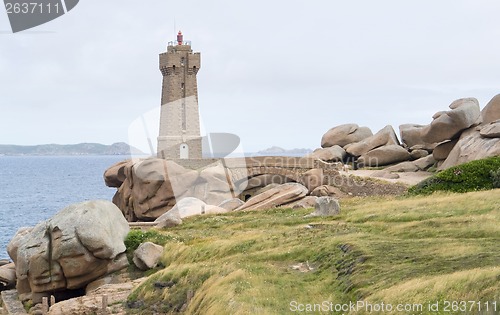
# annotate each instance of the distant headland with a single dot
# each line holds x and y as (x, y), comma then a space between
(278, 150)
(119, 148)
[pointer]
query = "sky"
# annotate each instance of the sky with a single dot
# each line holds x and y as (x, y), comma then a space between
(273, 72)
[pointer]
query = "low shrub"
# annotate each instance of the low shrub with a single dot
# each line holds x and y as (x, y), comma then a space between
(495, 176)
(475, 175)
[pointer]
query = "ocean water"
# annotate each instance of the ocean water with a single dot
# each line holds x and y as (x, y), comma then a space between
(33, 189)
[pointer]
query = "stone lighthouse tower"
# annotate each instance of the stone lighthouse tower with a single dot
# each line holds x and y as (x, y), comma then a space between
(179, 136)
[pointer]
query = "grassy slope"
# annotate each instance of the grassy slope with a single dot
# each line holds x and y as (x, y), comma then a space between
(391, 250)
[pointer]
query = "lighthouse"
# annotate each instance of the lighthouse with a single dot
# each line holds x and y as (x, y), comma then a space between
(179, 136)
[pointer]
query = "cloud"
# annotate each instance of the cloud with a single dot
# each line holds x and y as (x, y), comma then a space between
(275, 73)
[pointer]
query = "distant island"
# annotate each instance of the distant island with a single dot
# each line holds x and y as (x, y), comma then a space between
(277, 150)
(119, 148)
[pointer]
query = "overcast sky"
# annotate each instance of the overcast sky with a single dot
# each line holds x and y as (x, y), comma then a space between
(273, 72)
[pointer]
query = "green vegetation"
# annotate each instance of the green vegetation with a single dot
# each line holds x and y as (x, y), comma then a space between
(392, 250)
(472, 176)
(136, 237)
(28, 305)
(495, 176)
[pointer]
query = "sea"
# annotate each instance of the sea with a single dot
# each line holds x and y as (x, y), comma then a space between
(34, 188)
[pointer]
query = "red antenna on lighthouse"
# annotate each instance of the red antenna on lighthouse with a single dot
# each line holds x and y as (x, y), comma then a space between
(180, 38)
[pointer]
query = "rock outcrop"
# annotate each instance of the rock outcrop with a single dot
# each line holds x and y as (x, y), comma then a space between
(7, 276)
(406, 167)
(325, 206)
(462, 134)
(231, 204)
(418, 154)
(411, 137)
(275, 197)
(304, 203)
(265, 188)
(147, 255)
(262, 181)
(491, 111)
(442, 150)
(81, 243)
(115, 175)
(212, 185)
(331, 154)
(491, 130)
(447, 125)
(168, 221)
(345, 134)
(478, 141)
(91, 302)
(188, 207)
(422, 164)
(313, 178)
(471, 146)
(349, 143)
(385, 137)
(385, 155)
(151, 187)
(326, 190)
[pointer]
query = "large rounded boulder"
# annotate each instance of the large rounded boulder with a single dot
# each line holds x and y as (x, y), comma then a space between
(151, 187)
(491, 111)
(78, 245)
(345, 134)
(331, 154)
(115, 175)
(275, 197)
(448, 125)
(386, 136)
(411, 137)
(389, 154)
(471, 146)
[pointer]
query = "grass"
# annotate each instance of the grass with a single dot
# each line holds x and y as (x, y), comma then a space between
(397, 250)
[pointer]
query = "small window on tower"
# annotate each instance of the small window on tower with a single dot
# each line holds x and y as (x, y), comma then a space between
(182, 61)
(182, 85)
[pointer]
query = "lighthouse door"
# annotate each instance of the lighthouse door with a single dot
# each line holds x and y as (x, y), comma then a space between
(184, 151)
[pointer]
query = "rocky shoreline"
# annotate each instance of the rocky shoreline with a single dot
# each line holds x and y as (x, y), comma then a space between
(149, 188)
(77, 255)
(457, 136)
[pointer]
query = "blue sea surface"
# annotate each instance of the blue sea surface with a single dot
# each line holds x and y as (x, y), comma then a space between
(34, 188)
